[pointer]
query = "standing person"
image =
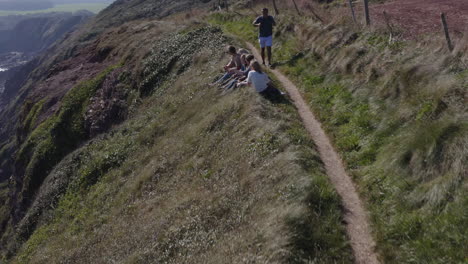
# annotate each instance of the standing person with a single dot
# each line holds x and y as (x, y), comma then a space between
(265, 24)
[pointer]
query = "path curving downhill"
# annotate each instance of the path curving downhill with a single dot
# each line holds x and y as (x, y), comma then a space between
(355, 216)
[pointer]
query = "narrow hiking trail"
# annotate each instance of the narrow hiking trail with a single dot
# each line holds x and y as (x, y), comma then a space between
(355, 216)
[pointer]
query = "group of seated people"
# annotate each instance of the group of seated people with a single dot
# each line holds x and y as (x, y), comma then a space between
(244, 70)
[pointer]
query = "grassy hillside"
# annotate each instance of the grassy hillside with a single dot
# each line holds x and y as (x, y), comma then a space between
(398, 115)
(191, 175)
(195, 176)
(121, 152)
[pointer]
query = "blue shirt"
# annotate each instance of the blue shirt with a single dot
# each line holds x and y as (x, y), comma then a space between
(266, 26)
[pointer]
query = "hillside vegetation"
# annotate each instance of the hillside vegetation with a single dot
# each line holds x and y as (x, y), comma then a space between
(122, 152)
(397, 114)
(193, 176)
(114, 148)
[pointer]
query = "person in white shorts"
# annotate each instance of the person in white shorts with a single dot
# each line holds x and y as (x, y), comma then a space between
(265, 24)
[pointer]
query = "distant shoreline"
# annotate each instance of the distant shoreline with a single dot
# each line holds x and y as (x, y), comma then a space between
(92, 7)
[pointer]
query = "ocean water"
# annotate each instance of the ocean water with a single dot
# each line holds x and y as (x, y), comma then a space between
(2, 81)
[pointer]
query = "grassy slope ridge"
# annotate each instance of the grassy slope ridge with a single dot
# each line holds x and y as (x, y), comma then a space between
(192, 175)
(78, 59)
(399, 122)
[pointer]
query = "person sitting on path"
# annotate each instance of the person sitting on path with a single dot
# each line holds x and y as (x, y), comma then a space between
(260, 82)
(265, 23)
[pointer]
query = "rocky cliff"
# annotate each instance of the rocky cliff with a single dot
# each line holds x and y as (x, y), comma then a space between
(38, 32)
(80, 74)
(114, 148)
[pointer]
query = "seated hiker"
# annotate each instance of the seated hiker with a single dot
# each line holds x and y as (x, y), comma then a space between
(260, 81)
(245, 73)
(244, 62)
(240, 75)
(234, 65)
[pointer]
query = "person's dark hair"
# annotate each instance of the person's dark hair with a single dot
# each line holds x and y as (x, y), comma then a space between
(249, 57)
(265, 9)
(256, 66)
(232, 49)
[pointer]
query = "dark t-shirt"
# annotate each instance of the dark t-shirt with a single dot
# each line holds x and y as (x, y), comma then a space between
(266, 26)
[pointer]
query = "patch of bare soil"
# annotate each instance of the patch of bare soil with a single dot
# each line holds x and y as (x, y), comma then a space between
(356, 217)
(422, 17)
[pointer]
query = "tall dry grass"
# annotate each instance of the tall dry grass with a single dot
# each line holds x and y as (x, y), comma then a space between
(396, 110)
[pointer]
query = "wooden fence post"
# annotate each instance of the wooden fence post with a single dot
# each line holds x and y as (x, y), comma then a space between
(389, 25)
(447, 35)
(352, 10)
(295, 5)
(366, 9)
(275, 7)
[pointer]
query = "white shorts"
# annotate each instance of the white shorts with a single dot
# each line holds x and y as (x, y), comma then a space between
(266, 42)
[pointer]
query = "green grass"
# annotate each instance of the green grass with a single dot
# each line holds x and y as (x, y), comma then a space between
(96, 161)
(318, 234)
(92, 7)
(232, 23)
(168, 186)
(28, 118)
(47, 144)
(405, 151)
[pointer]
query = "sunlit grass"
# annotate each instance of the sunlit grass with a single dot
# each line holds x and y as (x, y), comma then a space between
(402, 143)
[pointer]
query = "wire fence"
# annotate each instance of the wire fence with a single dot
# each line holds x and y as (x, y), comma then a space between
(401, 19)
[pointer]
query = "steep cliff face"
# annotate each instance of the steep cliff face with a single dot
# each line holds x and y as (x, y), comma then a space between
(43, 119)
(38, 33)
(24, 37)
(113, 148)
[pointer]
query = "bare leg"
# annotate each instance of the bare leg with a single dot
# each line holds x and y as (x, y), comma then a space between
(269, 55)
(263, 55)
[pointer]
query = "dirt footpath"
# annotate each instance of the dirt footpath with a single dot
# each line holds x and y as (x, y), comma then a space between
(355, 215)
(422, 17)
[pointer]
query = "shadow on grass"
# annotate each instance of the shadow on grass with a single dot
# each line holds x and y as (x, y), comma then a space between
(292, 61)
(318, 235)
(277, 99)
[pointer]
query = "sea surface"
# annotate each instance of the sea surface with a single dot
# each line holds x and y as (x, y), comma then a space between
(2, 78)
(10, 60)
